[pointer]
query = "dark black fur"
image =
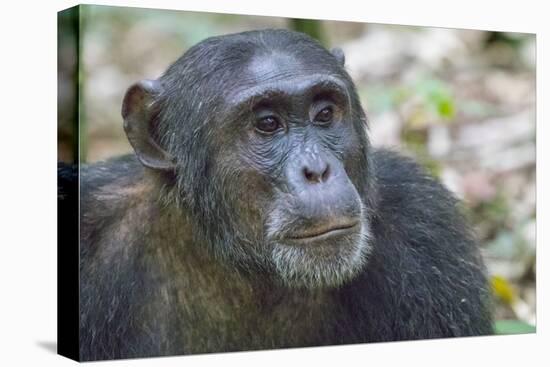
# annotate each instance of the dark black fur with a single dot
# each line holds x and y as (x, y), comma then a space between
(174, 255)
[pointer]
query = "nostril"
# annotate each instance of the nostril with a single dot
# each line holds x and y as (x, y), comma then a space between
(316, 176)
(310, 176)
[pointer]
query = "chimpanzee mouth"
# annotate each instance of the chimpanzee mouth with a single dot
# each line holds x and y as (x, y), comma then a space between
(323, 232)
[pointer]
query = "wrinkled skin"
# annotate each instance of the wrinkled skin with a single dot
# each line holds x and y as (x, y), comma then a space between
(257, 215)
(309, 223)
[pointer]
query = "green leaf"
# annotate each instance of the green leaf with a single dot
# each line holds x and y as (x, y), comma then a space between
(438, 97)
(503, 327)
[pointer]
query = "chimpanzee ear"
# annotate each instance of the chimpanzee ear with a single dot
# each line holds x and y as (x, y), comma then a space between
(139, 113)
(339, 54)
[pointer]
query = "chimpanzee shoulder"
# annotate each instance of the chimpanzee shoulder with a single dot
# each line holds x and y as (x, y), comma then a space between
(109, 191)
(118, 274)
(425, 277)
(416, 204)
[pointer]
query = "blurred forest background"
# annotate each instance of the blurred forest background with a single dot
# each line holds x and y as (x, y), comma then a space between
(461, 101)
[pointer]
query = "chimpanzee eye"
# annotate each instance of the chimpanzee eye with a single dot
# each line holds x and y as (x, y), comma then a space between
(325, 115)
(268, 124)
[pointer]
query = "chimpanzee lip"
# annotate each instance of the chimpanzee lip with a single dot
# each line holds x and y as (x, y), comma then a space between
(323, 232)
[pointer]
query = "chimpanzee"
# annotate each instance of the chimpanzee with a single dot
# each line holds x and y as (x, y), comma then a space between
(254, 214)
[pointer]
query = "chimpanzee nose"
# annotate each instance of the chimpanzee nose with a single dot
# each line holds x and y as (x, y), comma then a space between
(316, 171)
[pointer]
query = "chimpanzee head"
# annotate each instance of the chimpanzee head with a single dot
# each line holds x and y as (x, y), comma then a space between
(262, 141)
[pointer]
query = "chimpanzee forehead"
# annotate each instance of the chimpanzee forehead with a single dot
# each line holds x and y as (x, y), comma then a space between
(282, 73)
(278, 65)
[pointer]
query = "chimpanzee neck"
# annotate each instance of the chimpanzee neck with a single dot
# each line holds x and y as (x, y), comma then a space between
(218, 308)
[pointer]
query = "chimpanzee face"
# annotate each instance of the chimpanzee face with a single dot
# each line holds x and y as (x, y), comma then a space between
(290, 152)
